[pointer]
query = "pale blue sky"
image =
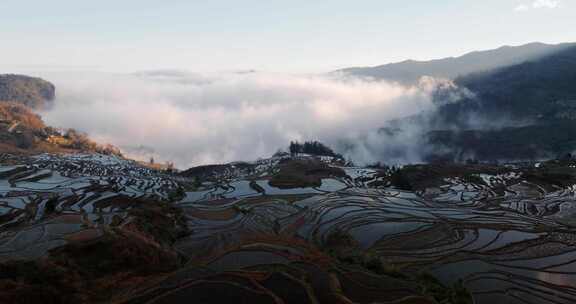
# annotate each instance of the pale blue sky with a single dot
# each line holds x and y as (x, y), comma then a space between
(291, 35)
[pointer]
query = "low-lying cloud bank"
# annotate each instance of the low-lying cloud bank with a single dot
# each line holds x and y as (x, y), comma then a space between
(199, 119)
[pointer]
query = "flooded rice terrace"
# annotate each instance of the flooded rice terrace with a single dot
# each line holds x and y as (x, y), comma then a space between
(352, 238)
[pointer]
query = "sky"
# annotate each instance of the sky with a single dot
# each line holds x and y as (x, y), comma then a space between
(281, 36)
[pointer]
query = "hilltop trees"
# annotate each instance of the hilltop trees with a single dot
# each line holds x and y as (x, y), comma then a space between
(313, 148)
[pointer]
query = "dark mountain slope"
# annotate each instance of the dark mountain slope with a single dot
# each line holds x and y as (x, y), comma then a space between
(514, 143)
(541, 89)
(541, 92)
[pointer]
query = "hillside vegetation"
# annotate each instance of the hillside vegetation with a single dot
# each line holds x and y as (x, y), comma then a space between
(23, 131)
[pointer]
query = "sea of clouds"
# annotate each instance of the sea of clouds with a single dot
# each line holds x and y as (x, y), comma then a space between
(193, 119)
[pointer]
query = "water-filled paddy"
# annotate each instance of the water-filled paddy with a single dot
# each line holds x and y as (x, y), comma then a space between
(512, 247)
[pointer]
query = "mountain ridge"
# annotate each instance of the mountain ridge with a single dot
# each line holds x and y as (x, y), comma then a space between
(410, 71)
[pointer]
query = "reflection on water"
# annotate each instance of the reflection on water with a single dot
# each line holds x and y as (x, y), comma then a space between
(507, 252)
(512, 246)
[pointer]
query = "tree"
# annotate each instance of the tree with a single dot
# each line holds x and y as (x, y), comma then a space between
(313, 148)
(295, 147)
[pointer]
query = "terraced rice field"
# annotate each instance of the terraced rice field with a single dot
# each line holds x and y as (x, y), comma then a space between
(497, 237)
